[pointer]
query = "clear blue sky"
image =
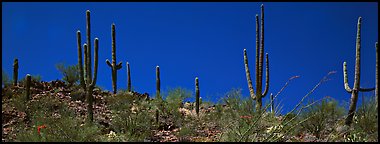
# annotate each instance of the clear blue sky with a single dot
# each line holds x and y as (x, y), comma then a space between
(197, 39)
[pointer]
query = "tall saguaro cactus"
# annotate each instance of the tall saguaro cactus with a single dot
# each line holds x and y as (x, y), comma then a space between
(196, 96)
(114, 66)
(129, 77)
(158, 96)
(87, 81)
(15, 71)
(355, 90)
(259, 65)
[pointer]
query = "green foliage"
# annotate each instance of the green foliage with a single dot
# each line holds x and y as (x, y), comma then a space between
(133, 119)
(70, 73)
(5, 81)
(61, 123)
(328, 112)
(366, 122)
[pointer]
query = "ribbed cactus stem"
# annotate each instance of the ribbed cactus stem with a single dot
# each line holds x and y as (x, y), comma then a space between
(158, 96)
(355, 90)
(114, 66)
(196, 95)
(129, 77)
(248, 75)
(88, 68)
(377, 77)
(28, 83)
(15, 72)
(80, 62)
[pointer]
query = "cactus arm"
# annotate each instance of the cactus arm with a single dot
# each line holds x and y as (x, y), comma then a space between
(119, 65)
(96, 46)
(345, 77)
(109, 63)
(266, 77)
(366, 89)
(248, 74)
(80, 63)
(85, 64)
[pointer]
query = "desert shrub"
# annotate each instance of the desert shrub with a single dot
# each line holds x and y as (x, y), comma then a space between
(327, 114)
(5, 81)
(34, 79)
(70, 73)
(132, 119)
(365, 125)
(61, 123)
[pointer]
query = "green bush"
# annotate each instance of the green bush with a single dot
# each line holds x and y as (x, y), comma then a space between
(70, 73)
(327, 114)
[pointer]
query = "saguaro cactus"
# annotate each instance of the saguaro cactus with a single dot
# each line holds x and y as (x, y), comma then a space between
(28, 83)
(87, 81)
(158, 96)
(114, 66)
(355, 90)
(259, 65)
(129, 77)
(15, 71)
(196, 96)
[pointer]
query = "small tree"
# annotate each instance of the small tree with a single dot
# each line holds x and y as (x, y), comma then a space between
(70, 73)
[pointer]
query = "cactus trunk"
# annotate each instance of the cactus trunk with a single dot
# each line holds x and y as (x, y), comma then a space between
(355, 90)
(259, 65)
(158, 96)
(129, 77)
(196, 96)
(15, 72)
(86, 80)
(113, 65)
(377, 78)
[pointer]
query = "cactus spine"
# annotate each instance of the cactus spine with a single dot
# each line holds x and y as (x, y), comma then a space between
(87, 81)
(15, 71)
(196, 95)
(114, 66)
(259, 65)
(158, 96)
(28, 83)
(355, 90)
(129, 77)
